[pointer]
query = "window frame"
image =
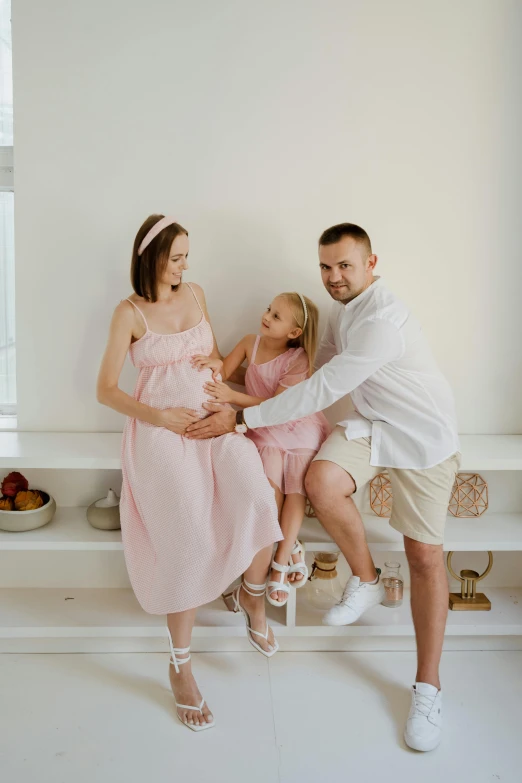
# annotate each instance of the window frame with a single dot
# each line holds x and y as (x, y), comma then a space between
(7, 185)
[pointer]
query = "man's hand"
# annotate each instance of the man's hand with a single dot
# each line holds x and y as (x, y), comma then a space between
(220, 423)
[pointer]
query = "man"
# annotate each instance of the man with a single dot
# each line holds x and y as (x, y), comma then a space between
(403, 420)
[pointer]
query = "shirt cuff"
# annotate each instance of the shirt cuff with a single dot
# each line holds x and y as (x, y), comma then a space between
(252, 417)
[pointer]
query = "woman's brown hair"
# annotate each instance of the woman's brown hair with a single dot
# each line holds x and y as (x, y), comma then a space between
(308, 339)
(149, 267)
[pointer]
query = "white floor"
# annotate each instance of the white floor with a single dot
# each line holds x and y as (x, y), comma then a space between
(300, 717)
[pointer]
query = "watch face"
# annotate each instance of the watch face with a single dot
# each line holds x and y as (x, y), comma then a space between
(242, 428)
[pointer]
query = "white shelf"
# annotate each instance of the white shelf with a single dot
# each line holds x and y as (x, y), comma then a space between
(77, 620)
(495, 531)
(69, 530)
(79, 450)
(491, 452)
(504, 619)
(103, 613)
(101, 450)
(109, 613)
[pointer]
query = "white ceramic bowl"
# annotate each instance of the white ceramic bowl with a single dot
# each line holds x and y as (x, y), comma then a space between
(20, 521)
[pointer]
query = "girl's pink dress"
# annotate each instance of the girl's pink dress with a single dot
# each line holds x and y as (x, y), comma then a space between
(287, 449)
(193, 512)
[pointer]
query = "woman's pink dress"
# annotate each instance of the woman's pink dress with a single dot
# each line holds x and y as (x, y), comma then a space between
(287, 449)
(193, 512)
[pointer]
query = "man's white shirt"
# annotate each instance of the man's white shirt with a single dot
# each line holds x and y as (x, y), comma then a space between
(374, 350)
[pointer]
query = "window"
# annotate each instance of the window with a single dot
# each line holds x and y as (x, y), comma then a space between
(7, 291)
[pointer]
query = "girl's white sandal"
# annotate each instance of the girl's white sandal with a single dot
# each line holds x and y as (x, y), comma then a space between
(298, 568)
(274, 587)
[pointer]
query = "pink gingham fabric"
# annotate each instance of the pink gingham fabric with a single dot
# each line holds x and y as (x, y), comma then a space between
(288, 449)
(193, 512)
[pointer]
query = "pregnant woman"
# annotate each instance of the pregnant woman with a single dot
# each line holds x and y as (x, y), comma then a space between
(195, 514)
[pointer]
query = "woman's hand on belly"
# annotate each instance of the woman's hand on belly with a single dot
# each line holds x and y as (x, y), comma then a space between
(177, 419)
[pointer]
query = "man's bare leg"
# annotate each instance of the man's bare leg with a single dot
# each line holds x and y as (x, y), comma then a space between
(329, 489)
(429, 606)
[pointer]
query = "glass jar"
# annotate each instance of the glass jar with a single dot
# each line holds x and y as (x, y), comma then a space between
(393, 585)
(323, 589)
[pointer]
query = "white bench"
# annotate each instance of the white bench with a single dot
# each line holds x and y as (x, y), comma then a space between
(108, 619)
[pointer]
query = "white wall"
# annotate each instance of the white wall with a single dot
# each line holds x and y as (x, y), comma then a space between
(260, 124)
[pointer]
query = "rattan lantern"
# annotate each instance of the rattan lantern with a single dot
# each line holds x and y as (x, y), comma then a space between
(381, 497)
(469, 497)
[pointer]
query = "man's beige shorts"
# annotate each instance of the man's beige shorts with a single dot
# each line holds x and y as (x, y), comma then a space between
(420, 497)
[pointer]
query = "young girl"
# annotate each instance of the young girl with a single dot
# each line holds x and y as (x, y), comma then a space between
(281, 356)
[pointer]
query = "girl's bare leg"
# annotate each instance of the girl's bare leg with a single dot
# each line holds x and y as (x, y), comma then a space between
(183, 684)
(292, 514)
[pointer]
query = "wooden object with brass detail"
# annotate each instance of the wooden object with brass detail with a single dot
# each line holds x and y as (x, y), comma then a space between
(468, 599)
(309, 512)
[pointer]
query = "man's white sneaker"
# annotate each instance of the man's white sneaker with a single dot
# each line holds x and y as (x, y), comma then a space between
(424, 724)
(357, 598)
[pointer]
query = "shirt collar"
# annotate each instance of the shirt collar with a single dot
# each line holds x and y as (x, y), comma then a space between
(353, 302)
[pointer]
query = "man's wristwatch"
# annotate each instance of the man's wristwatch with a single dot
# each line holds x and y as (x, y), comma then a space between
(240, 423)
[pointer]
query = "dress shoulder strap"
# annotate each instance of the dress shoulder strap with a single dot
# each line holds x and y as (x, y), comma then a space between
(197, 300)
(139, 311)
(254, 350)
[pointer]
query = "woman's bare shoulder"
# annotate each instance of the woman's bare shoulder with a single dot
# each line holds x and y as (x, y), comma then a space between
(198, 290)
(124, 312)
(134, 297)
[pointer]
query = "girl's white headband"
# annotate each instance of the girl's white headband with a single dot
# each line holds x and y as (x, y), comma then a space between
(305, 308)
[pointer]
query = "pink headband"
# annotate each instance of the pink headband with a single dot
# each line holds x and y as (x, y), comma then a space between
(156, 229)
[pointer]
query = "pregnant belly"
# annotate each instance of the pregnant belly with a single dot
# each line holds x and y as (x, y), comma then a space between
(175, 386)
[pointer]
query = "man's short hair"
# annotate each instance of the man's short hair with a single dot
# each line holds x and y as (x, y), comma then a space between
(334, 234)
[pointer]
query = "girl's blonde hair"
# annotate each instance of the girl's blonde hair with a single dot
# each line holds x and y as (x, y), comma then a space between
(308, 339)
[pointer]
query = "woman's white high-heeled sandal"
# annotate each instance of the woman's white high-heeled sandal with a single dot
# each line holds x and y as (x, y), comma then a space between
(177, 662)
(234, 595)
(298, 568)
(273, 586)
